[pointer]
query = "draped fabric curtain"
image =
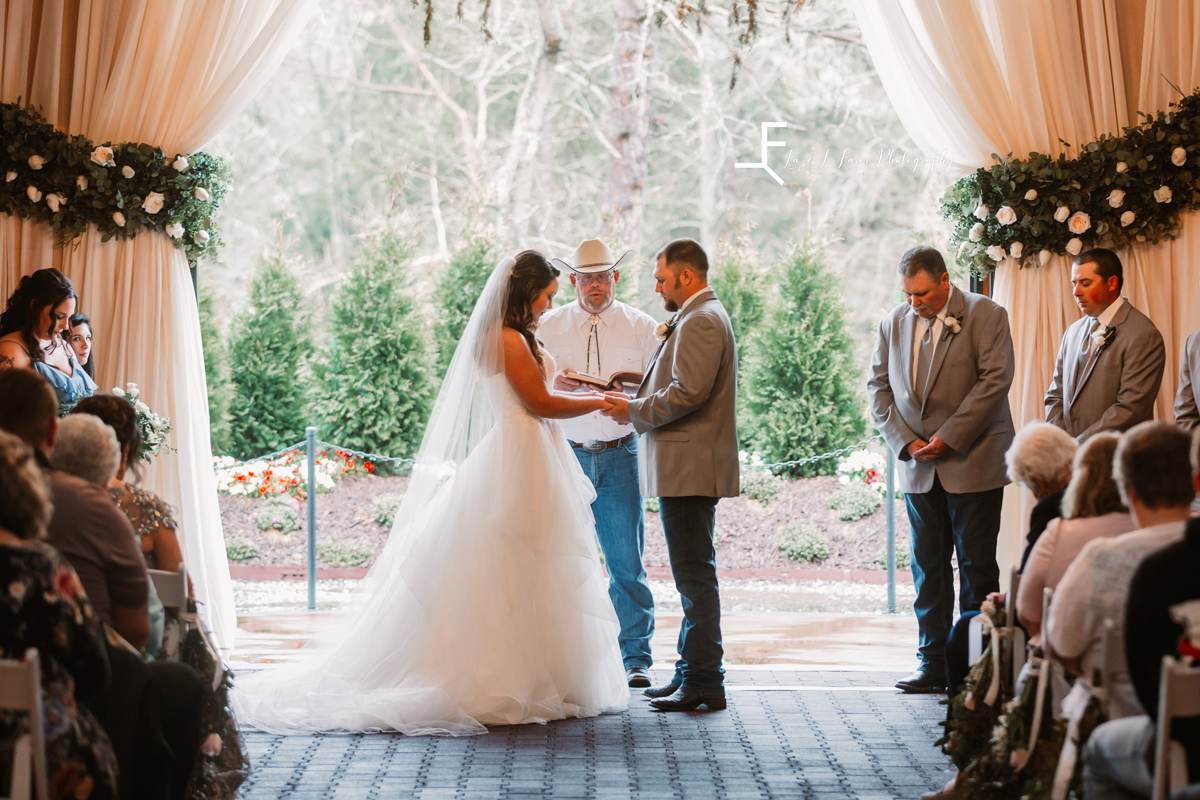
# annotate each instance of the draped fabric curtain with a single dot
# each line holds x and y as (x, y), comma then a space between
(170, 74)
(969, 79)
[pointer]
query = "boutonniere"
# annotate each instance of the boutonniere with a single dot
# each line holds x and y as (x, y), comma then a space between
(665, 329)
(953, 324)
(1101, 339)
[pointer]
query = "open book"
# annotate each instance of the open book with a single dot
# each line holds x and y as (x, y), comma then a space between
(627, 378)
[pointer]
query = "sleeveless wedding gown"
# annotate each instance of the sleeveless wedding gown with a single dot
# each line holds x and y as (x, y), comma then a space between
(490, 610)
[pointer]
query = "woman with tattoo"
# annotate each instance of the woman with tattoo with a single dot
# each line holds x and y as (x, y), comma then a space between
(30, 334)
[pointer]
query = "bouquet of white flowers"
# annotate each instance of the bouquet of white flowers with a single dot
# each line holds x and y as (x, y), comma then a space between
(154, 428)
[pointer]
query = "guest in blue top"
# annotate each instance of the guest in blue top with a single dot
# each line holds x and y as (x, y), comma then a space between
(31, 334)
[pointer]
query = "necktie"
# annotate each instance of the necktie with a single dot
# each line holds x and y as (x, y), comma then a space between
(924, 357)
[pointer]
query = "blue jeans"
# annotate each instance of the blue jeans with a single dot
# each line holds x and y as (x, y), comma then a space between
(688, 524)
(1115, 763)
(944, 523)
(620, 526)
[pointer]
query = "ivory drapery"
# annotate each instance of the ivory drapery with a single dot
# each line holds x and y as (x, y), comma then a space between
(169, 74)
(1000, 76)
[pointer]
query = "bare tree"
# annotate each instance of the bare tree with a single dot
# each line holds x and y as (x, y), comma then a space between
(630, 126)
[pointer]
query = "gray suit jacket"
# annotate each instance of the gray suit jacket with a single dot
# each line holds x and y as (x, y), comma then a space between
(966, 404)
(1118, 384)
(1186, 413)
(686, 409)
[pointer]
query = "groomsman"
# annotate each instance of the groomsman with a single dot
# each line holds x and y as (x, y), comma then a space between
(938, 392)
(598, 335)
(1110, 362)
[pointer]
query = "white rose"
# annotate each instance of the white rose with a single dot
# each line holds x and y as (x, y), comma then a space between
(995, 252)
(201, 237)
(1031, 195)
(1127, 219)
(1061, 214)
(1074, 246)
(1015, 249)
(36, 162)
(102, 156)
(201, 193)
(141, 407)
(119, 218)
(54, 201)
(1006, 216)
(1079, 222)
(976, 232)
(1163, 194)
(1122, 166)
(33, 194)
(180, 164)
(82, 183)
(1179, 156)
(982, 212)
(1116, 198)
(153, 203)
(1044, 258)
(10, 177)
(127, 171)
(1097, 338)
(174, 230)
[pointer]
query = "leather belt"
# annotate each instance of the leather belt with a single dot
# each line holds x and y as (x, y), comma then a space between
(596, 446)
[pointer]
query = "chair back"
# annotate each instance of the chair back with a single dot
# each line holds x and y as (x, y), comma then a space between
(170, 586)
(1178, 696)
(1111, 662)
(1014, 634)
(21, 690)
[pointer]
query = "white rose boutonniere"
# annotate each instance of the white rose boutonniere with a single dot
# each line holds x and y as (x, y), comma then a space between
(1163, 194)
(1116, 198)
(1101, 339)
(953, 324)
(1179, 156)
(982, 212)
(1079, 223)
(103, 156)
(153, 203)
(1006, 216)
(665, 329)
(1061, 214)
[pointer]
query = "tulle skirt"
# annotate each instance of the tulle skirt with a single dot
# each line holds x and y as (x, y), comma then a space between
(489, 608)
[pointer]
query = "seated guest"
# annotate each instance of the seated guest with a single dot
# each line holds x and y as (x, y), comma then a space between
(30, 334)
(1110, 362)
(79, 336)
(1162, 618)
(151, 517)
(1091, 509)
(46, 608)
(1153, 473)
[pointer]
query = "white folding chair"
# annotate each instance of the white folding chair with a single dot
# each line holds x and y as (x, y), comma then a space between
(171, 587)
(976, 637)
(21, 690)
(1178, 696)
(1014, 635)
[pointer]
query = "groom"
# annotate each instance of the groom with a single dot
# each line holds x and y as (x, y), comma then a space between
(685, 411)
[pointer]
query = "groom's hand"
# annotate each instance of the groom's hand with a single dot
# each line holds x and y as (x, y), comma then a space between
(620, 406)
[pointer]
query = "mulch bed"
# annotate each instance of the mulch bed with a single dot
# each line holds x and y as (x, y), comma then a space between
(748, 531)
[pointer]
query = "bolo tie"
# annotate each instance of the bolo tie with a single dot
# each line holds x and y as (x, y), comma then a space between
(594, 337)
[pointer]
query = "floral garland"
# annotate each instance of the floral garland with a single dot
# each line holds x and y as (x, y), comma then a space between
(1120, 191)
(122, 189)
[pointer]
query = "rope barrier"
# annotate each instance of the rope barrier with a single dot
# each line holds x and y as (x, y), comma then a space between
(813, 459)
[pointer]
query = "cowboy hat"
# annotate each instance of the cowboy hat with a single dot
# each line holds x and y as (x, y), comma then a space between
(593, 256)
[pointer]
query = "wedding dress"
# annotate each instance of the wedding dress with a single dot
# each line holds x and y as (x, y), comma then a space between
(487, 606)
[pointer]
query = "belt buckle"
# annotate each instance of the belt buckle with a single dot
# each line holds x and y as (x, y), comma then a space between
(594, 446)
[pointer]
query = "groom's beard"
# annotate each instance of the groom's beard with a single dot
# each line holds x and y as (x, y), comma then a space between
(670, 305)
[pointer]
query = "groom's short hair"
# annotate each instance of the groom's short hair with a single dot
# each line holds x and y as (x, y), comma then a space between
(685, 254)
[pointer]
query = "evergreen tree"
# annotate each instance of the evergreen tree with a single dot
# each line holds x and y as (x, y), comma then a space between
(801, 389)
(269, 343)
(216, 371)
(741, 285)
(379, 381)
(458, 289)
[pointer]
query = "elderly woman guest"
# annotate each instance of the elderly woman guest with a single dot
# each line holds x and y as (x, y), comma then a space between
(45, 608)
(1091, 509)
(30, 334)
(79, 336)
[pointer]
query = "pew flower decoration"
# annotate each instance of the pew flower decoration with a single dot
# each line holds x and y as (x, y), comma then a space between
(153, 427)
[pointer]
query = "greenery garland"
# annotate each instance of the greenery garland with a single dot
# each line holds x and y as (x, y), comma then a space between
(122, 189)
(1120, 191)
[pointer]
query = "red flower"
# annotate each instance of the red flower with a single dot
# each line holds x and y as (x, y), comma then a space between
(262, 489)
(369, 466)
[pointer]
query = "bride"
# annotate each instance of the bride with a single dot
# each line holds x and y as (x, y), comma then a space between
(487, 605)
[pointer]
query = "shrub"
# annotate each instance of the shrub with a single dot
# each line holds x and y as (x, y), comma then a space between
(801, 390)
(378, 381)
(458, 289)
(903, 558)
(804, 542)
(240, 549)
(216, 370)
(855, 501)
(760, 485)
(651, 505)
(336, 553)
(275, 514)
(383, 508)
(269, 343)
(739, 280)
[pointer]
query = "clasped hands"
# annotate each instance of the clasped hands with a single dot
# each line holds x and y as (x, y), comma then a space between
(921, 450)
(616, 404)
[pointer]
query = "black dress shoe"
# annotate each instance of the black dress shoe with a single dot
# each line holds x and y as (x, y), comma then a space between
(922, 681)
(665, 689)
(685, 700)
(637, 678)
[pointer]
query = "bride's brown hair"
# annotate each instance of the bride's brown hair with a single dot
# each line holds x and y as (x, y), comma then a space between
(531, 273)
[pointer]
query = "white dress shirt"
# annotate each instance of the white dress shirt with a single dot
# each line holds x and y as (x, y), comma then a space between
(626, 342)
(919, 329)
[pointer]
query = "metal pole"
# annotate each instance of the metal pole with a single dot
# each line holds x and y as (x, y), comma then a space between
(891, 530)
(310, 435)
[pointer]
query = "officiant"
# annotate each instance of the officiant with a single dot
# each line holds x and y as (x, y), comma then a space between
(598, 335)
